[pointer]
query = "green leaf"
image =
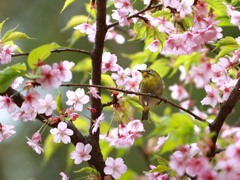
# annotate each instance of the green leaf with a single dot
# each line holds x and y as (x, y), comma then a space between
(105, 148)
(140, 30)
(49, 148)
(161, 169)
(89, 170)
(129, 174)
(9, 74)
(218, 7)
(161, 66)
(76, 20)
(227, 45)
(40, 53)
(66, 4)
(84, 65)
(107, 80)
(8, 33)
(14, 36)
(1, 25)
(135, 104)
(59, 102)
(76, 35)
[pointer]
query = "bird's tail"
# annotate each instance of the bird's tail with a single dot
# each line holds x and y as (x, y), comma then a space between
(145, 114)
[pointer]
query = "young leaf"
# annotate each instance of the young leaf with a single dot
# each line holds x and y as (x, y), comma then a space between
(1, 25)
(59, 102)
(40, 53)
(8, 34)
(66, 4)
(227, 45)
(14, 36)
(9, 74)
(74, 21)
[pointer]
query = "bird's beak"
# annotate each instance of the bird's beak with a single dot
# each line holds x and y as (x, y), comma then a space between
(141, 71)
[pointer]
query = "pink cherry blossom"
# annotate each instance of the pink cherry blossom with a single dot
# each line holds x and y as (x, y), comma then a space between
(178, 162)
(165, 26)
(121, 76)
(135, 126)
(6, 54)
(160, 142)
(26, 114)
(233, 151)
(7, 103)
(185, 7)
(124, 5)
(17, 82)
(81, 153)
(178, 92)
(229, 168)
(86, 28)
(226, 89)
(74, 116)
(196, 165)
(64, 68)
(34, 142)
(171, 3)
(6, 131)
(64, 176)
(50, 77)
(153, 46)
(132, 84)
(77, 99)
(235, 18)
(212, 97)
(97, 123)
(31, 100)
(109, 62)
(47, 105)
(208, 174)
(115, 167)
(62, 133)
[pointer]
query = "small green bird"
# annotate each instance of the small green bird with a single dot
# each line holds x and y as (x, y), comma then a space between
(151, 83)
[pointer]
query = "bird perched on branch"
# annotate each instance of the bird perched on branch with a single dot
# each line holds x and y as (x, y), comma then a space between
(151, 83)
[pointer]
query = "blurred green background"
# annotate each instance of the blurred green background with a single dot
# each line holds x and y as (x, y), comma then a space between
(41, 20)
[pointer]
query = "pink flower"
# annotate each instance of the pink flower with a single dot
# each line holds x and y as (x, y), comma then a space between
(124, 5)
(50, 77)
(135, 126)
(226, 89)
(132, 84)
(34, 142)
(64, 176)
(62, 133)
(174, 45)
(178, 92)
(208, 174)
(6, 131)
(229, 168)
(153, 46)
(233, 151)
(212, 97)
(47, 105)
(64, 68)
(185, 7)
(178, 162)
(7, 103)
(6, 54)
(160, 142)
(171, 3)
(82, 153)
(74, 116)
(17, 82)
(86, 28)
(26, 113)
(77, 99)
(31, 100)
(109, 62)
(97, 123)
(235, 18)
(121, 76)
(195, 166)
(115, 167)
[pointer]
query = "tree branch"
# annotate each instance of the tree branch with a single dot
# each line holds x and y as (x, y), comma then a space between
(58, 51)
(96, 57)
(137, 14)
(139, 93)
(225, 110)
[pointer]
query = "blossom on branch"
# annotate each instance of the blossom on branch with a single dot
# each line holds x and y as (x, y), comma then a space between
(62, 133)
(109, 62)
(115, 167)
(6, 131)
(47, 105)
(6, 54)
(7, 103)
(77, 99)
(81, 153)
(64, 68)
(34, 142)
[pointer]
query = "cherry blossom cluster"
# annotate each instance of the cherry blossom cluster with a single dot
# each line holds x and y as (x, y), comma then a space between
(234, 15)
(6, 53)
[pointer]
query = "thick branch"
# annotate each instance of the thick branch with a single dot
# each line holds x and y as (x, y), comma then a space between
(58, 51)
(96, 56)
(139, 93)
(225, 110)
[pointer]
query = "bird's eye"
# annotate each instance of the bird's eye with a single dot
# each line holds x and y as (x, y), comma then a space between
(149, 71)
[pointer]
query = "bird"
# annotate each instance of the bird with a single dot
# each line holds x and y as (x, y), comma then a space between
(151, 83)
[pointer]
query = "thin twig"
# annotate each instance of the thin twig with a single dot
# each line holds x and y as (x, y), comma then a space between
(58, 51)
(137, 14)
(138, 93)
